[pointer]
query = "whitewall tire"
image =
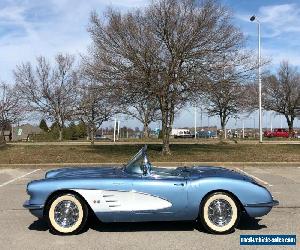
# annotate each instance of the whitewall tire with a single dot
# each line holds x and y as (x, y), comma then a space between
(67, 214)
(220, 213)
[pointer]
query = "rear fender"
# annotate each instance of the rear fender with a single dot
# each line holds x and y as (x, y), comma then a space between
(245, 192)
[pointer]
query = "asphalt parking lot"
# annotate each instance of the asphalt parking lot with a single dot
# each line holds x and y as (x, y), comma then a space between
(20, 230)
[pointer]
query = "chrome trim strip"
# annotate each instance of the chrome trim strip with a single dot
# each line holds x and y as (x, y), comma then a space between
(267, 204)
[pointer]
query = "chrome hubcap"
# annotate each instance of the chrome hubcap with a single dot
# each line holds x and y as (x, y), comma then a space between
(220, 212)
(66, 213)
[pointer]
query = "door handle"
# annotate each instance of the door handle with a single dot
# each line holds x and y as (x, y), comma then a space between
(179, 184)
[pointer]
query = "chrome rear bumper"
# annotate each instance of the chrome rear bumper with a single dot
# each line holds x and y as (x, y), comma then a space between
(267, 204)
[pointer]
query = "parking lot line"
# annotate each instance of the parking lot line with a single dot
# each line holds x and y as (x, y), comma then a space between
(254, 177)
(15, 179)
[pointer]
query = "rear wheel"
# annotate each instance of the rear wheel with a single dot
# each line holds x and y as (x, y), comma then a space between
(67, 214)
(220, 213)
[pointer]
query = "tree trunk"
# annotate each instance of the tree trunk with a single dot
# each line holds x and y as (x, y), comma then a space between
(290, 122)
(166, 139)
(223, 124)
(167, 111)
(165, 133)
(92, 136)
(166, 145)
(2, 138)
(146, 130)
(60, 137)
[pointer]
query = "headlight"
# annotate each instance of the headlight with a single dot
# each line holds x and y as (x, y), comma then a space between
(28, 188)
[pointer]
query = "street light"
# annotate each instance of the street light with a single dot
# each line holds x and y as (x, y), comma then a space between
(195, 122)
(254, 18)
(115, 126)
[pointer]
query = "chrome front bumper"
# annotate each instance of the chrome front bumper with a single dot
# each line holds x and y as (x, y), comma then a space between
(32, 206)
(34, 209)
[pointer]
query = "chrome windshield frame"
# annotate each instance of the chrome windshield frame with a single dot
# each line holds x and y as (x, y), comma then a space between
(140, 155)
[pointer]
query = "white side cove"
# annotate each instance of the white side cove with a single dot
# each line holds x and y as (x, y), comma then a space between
(109, 201)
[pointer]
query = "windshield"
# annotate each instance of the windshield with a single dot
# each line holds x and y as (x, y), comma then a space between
(135, 165)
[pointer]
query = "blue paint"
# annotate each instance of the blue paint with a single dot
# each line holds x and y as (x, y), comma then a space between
(183, 187)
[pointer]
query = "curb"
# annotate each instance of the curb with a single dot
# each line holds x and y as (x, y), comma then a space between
(164, 164)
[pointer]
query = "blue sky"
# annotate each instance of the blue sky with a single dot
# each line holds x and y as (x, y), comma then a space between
(29, 28)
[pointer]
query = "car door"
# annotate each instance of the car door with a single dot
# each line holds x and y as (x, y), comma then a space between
(160, 198)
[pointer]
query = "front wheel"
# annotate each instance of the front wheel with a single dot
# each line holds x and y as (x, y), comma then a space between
(220, 213)
(67, 214)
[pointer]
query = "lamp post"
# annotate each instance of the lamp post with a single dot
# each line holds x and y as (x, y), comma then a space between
(243, 128)
(195, 121)
(271, 122)
(115, 126)
(254, 18)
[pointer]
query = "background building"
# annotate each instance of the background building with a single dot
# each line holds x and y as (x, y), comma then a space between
(23, 132)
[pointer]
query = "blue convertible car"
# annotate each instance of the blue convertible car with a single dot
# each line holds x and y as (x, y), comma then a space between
(139, 191)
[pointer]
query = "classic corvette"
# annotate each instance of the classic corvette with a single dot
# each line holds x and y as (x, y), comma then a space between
(139, 191)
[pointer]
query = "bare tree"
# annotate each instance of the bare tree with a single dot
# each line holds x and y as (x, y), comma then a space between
(281, 92)
(225, 90)
(136, 104)
(126, 84)
(144, 112)
(95, 106)
(165, 49)
(11, 110)
(49, 90)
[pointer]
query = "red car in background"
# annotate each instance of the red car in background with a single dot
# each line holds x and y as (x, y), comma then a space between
(277, 132)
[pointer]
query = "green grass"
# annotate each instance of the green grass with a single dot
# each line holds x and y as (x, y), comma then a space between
(33, 154)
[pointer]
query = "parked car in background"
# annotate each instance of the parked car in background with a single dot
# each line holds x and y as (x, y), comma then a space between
(206, 134)
(102, 138)
(182, 133)
(278, 132)
(296, 133)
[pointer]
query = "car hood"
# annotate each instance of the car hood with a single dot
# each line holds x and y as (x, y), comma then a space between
(82, 172)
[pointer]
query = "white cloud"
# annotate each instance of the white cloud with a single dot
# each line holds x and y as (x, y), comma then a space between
(276, 19)
(282, 18)
(280, 31)
(32, 28)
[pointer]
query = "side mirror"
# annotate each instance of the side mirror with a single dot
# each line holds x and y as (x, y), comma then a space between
(146, 165)
(145, 169)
